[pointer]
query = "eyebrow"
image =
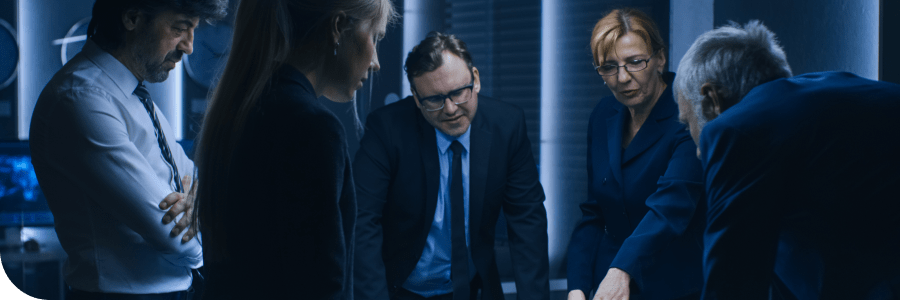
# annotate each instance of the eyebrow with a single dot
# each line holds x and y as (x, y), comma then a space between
(185, 22)
(451, 91)
(633, 57)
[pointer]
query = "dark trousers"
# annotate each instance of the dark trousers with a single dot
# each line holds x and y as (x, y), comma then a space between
(73, 294)
(474, 288)
(195, 292)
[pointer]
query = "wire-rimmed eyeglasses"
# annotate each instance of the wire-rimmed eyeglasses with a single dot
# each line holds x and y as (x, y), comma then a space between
(630, 66)
(457, 96)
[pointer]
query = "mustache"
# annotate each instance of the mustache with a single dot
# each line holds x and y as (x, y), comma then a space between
(175, 55)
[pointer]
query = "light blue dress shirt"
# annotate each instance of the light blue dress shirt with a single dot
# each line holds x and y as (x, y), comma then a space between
(431, 277)
(98, 161)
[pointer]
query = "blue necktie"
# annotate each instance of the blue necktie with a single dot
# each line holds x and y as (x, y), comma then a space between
(459, 262)
(144, 95)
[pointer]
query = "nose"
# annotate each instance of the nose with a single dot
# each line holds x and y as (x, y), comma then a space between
(375, 66)
(186, 44)
(450, 107)
(623, 75)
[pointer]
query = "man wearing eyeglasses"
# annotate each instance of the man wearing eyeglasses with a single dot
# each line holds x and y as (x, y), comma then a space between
(431, 177)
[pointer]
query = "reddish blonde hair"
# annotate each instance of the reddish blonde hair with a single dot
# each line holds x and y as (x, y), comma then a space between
(618, 23)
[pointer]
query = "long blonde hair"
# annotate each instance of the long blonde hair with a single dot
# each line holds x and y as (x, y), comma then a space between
(266, 34)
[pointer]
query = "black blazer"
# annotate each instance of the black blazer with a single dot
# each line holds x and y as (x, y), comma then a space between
(291, 202)
(641, 212)
(397, 175)
(802, 177)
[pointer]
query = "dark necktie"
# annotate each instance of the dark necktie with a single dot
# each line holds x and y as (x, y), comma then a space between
(144, 95)
(459, 263)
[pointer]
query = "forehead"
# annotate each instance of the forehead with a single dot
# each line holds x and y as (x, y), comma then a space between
(173, 17)
(451, 75)
(377, 26)
(628, 45)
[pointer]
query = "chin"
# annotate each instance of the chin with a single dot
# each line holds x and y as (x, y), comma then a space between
(341, 98)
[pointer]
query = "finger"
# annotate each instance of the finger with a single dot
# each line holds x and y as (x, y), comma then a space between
(173, 212)
(169, 200)
(183, 223)
(188, 235)
(186, 182)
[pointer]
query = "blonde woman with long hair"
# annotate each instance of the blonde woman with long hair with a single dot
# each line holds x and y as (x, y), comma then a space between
(277, 205)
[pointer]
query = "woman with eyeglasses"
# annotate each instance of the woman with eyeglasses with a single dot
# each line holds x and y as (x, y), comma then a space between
(640, 234)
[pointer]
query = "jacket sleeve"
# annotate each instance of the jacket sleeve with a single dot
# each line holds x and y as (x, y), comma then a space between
(586, 237)
(526, 219)
(745, 185)
(671, 209)
(372, 174)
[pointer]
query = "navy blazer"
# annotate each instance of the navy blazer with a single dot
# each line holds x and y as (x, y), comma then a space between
(397, 175)
(802, 178)
(640, 212)
(291, 173)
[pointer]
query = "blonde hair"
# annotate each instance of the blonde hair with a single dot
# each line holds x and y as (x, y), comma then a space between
(266, 34)
(618, 23)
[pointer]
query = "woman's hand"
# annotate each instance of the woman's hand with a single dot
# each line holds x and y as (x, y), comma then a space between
(614, 286)
(576, 295)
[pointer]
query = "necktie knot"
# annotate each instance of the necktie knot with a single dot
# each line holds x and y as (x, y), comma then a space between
(457, 148)
(142, 92)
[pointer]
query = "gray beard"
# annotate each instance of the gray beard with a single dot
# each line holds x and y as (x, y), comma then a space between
(152, 71)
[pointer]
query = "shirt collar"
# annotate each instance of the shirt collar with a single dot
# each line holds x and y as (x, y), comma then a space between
(118, 72)
(445, 140)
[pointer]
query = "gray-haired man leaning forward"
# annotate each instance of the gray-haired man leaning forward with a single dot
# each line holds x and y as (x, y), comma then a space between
(106, 157)
(801, 172)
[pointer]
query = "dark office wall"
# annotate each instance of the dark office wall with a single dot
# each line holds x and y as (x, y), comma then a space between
(817, 35)
(890, 41)
(8, 94)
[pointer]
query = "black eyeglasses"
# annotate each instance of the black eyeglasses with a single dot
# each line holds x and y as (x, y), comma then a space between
(630, 66)
(457, 96)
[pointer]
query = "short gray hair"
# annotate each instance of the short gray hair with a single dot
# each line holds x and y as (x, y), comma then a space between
(734, 59)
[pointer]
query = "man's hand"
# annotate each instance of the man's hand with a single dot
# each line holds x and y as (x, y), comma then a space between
(614, 285)
(178, 203)
(576, 295)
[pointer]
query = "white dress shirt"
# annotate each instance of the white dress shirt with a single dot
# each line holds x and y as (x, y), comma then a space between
(97, 159)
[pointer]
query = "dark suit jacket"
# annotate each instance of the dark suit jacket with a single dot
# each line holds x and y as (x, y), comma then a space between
(802, 177)
(397, 174)
(291, 202)
(640, 213)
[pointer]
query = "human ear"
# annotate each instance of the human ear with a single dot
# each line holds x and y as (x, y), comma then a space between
(131, 18)
(711, 104)
(339, 23)
(662, 61)
(476, 80)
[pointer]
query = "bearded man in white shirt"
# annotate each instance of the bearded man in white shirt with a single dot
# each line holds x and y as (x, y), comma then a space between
(107, 160)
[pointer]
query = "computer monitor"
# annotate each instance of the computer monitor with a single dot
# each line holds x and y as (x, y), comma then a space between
(21, 201)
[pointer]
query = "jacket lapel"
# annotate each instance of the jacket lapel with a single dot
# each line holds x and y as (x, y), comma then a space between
(479, 160)
(651, 131)
(431, 168)
(614, 127)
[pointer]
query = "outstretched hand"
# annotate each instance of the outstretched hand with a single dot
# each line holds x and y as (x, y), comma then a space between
(576, 295)
(178, 203)
(614, 286)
